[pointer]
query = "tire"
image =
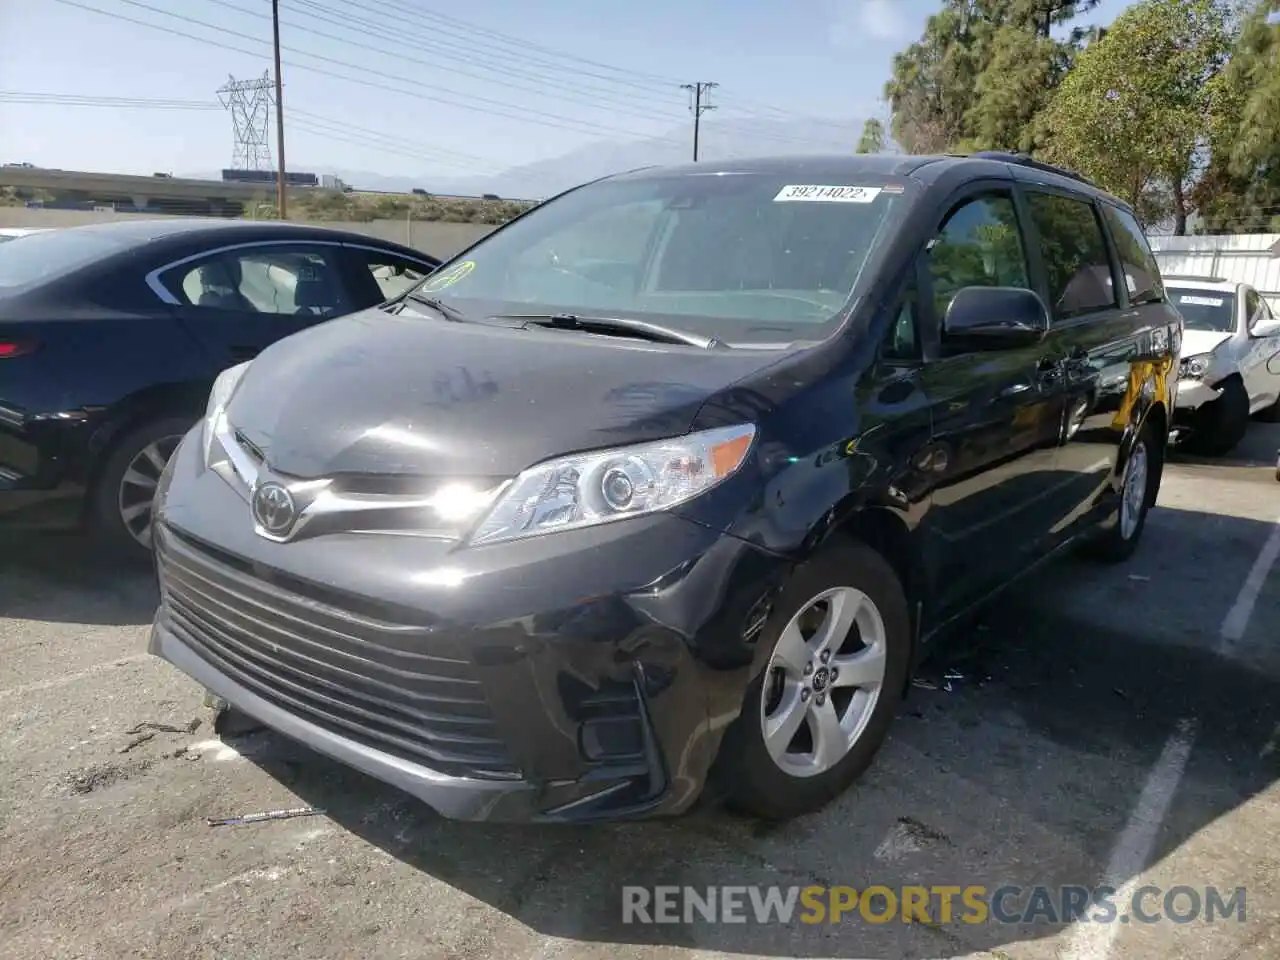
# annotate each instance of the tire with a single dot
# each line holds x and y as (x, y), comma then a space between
(746, 771)
(1270, 414)
(1221, 425)
(1120, 534)
(120, 488)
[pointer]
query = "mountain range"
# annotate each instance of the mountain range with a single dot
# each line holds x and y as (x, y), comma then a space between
(719, 139)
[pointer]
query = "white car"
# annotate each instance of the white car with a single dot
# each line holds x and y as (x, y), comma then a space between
(1230, 361)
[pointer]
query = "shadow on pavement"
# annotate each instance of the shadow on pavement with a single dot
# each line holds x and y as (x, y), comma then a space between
(1024, 773)
(62, 576)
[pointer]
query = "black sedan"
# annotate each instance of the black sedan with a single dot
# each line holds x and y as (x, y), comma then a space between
(111, 336)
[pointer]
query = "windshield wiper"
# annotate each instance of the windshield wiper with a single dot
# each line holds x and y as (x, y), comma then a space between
(615, 326)
(438, 305)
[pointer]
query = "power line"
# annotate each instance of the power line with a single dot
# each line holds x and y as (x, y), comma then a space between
(315, 123)
(523, 46)
(461, 100)
(564, 91)
(76, 100)
(698, 105)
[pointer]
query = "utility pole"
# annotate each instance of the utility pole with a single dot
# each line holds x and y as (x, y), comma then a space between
(280, 191)
(698, 105)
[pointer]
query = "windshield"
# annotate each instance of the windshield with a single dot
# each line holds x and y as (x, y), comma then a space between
(1205, 309)
(740, 257)
(44, 256)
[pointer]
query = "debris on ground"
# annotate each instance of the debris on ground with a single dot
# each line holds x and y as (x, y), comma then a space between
(266, 815)
(147, 729)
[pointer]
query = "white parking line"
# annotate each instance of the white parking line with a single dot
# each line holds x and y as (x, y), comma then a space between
(1089, 940)
(1236, 621)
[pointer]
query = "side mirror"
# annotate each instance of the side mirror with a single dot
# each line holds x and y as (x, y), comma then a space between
(994, 318)
(1266, 328)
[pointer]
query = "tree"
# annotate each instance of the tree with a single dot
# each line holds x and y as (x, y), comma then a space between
(872, 140)
(979, 73)
(1240, 190)
(1131, 111)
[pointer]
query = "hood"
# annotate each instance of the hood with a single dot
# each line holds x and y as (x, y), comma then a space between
(1196, 342)
(374, 393)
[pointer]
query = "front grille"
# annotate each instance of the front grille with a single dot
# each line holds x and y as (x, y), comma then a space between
(372, 681)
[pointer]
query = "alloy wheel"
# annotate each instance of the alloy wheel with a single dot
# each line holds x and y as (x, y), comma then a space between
(1133, 496)
(823, 682)
(137, 491)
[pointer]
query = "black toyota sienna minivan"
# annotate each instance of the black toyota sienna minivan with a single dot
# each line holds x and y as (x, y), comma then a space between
(670, 481)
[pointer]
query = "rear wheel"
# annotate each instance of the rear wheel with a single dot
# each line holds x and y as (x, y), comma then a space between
(120, 503)
(840, 639)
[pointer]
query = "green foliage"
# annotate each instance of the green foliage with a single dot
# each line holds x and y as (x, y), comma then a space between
(1131, 112)
(362, 208)
(872, 140)
(1175, 107)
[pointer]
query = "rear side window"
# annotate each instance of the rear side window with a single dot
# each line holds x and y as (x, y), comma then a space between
(1141, 271)
(393, 275)
(1074, 253)
(269, 279)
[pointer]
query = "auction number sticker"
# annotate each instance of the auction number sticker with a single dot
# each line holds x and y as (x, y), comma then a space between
(1202, 301)
(820, 193)
(449, 277)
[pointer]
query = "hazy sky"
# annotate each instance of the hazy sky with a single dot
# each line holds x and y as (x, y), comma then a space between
(446, 89)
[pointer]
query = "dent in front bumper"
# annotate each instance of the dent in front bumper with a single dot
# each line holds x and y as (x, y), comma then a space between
(1192, 394)
(658, 604)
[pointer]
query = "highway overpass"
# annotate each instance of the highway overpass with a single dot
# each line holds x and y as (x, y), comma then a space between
(159, 194)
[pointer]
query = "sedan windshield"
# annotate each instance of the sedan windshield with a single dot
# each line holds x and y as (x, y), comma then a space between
(745, 258)
(1205, 309)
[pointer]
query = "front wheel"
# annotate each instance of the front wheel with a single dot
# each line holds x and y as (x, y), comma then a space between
(1221, 424)
(1138, 488)
(839, 642)
(121, 500)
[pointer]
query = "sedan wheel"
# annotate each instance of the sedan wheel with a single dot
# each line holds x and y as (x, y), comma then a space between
(823, 682)
(137, 490)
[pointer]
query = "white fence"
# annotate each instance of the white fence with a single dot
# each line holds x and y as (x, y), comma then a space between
(1245, 258)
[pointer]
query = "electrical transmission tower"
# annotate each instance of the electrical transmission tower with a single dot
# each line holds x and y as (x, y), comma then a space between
(698, 105)
(249, 103)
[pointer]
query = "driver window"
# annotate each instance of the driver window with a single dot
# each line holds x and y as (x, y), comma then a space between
(979, 245)
(902, 342)
(267, 279)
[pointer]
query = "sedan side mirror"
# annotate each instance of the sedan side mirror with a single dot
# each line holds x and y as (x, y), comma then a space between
(1266, 328)
(994, 318)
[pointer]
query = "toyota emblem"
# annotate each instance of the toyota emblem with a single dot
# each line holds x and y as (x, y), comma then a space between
(274, 510)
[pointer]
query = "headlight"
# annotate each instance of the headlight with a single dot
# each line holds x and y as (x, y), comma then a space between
(219, 397)
(1195, 367)
(593, 488)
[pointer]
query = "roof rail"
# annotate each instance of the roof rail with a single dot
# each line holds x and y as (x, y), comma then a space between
(1025, 160)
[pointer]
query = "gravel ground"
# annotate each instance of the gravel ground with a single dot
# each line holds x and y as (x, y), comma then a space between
(1107, 723)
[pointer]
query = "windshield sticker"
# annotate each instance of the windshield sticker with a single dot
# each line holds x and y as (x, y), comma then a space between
(1202, 301)
(818, 193)
(449, 277)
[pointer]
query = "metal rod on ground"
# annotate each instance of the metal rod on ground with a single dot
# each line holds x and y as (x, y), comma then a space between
(280, 191)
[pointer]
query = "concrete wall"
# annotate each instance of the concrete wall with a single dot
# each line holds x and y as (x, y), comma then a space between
(430, 236)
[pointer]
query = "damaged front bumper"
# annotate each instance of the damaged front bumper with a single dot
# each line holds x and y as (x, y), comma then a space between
(589, 676)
